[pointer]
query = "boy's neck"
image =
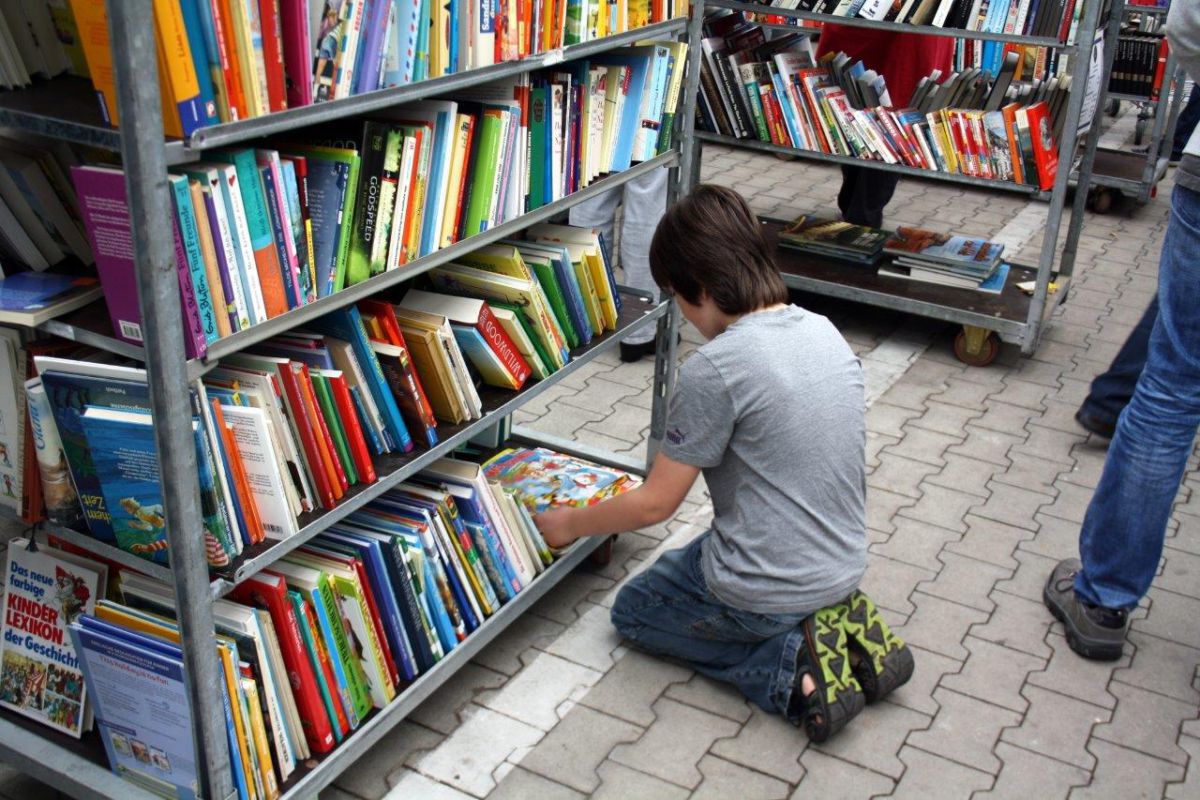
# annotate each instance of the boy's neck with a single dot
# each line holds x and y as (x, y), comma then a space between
(729, 319)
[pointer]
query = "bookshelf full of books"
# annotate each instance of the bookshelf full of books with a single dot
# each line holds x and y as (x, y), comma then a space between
(1011, 110)
(1147, 75)
(274, 492)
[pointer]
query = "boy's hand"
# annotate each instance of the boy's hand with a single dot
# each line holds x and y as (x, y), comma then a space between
(556, 527)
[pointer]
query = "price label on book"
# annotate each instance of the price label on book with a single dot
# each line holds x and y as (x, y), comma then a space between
(552, 57)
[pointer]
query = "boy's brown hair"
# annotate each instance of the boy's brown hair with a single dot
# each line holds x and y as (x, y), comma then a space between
(711, 242)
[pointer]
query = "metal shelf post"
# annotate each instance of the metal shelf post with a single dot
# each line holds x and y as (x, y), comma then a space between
(134, 64)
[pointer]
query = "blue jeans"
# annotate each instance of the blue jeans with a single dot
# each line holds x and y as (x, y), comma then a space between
(1123, 531)
(668, 610)
(1111, 392)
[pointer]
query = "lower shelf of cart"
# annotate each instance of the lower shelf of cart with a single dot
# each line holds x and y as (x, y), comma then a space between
(1125, 171)
(1006, 313)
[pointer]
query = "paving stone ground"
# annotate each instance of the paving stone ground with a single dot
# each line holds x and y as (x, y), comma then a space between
(978, 479)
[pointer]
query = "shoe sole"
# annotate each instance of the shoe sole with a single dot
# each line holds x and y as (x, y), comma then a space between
(885, 662)
(840, 697)
(1088, 648)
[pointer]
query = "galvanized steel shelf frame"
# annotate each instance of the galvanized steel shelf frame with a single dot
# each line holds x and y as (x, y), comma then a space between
(1134, 174)
(146, 155)
(1024, 332)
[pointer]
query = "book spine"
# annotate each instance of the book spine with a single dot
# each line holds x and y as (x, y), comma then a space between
(354, 431)
(333, 466)
(227, 255)
(323, 663)
(272, 49)
(180, 80)
(287, 275)
(230, 65)
(216, 268)
(496, 337)
(195, 261)
(297, 58)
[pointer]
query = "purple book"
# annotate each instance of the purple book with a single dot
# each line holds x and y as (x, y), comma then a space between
(101, 192)
(210, 205)
(370, 55)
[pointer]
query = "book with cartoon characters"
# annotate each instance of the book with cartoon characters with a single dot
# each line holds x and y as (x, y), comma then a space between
(46, 590)
(542, 479)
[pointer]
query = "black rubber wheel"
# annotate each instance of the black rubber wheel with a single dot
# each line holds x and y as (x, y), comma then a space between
(602, 555)
(1100, 200)
(986, 355)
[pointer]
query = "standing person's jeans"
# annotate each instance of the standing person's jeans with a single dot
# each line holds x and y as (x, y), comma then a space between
(1110, 392)
(668, 610)
(1122, 536)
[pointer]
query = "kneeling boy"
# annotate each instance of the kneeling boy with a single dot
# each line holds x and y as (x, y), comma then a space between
(771, 410)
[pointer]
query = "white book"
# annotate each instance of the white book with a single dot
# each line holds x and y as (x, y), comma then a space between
(875, 9)
(408, 156)
(210, 430)
(295, 728)
(943, 11)
(508, 507)
(249, 427)
(247, 267)
(471, 475)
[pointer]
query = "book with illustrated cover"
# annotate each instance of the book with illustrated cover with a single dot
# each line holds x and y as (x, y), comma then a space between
(963, 252)
(833, 237)
(543, 479)
(45, 591)
(31, 298)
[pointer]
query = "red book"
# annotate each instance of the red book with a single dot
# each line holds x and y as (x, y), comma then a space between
(1045, 153)
(1160, 70)
(306, 430)
(231, 68)
(272, 40)
(329, 456)
(238, 480)
(386, 314)
(350, 423)
(475, 313)
(377, 621)
(269, 592)
(297, 58)
(1068, 15)
(1010, 127)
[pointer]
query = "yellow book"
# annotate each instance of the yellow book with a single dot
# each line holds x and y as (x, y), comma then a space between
(591, 301)
(177, 70)
(425, 349)
(608, 304)
(258, 729)
(458, 162)
(91, 18)
(516, 331)
(253, 79)
(504, 259)
(208, 251)
(233, 686)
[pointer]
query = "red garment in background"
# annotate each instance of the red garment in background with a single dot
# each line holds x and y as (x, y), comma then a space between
(901, 58)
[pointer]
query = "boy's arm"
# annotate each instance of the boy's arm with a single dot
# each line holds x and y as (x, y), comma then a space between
(651, 503)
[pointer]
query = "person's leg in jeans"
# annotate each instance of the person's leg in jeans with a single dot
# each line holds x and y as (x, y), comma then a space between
(1123, 531)
(1110, 392)
(668, 610)
(864, 194)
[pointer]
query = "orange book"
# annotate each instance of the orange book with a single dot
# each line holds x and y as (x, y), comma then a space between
(231, 65)
(208, 252)
(1045, 153)
(1010, 127)
(325, 447)
(91, 18)
(241, 484)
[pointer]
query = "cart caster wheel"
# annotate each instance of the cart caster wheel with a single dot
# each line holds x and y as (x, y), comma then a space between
(602, 555)
(1100, 200)
(976, 347)
(785, 156)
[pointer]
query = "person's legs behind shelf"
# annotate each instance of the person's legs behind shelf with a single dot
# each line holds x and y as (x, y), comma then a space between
(1111, 391)
(864, 194)
(645, 203)
(1189, 116)
(1122, 536)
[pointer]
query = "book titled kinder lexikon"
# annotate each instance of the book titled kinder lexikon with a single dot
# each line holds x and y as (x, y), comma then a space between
(40, 675)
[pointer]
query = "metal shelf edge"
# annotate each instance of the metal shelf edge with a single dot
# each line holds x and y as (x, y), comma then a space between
(903, 169)
(858, 22)
(377, 727)
(242, 130)
(222, 586)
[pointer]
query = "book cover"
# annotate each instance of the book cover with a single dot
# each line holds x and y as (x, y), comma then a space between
(250, 429)
(58, 492)
(1045, 153)
(543, 479)
(40, 675)
(960, 251)
(831, 235)
(30, 298)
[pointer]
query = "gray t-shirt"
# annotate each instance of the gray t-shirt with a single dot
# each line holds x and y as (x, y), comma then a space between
(772, 411)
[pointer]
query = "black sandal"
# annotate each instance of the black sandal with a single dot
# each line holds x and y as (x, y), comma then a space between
(838, 697)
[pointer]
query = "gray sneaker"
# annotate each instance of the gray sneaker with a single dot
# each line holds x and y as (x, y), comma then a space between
(1092, 631)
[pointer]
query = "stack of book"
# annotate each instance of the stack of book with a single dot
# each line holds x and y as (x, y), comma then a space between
(968, 124)
(833, 238)
(223, 61)
(293, 424)
(40, 220)
(1138, 65)
(313, 646)
(261, 231)
(938, 258)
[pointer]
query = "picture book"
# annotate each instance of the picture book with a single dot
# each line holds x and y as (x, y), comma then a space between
(46, 591)
(833, 237)
(958, 251)
(543, 479)
(31, 298)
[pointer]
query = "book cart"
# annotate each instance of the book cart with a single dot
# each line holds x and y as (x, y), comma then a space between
(987, 320)
(1130, 172)
(65, 108)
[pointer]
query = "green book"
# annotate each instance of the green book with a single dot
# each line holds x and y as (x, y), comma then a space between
(538, 347)
(538, 123)
(334, 422)
(558, 303)
(350, 157)
(311, 646)
(356, 681)
(484, 168)
(386, 200)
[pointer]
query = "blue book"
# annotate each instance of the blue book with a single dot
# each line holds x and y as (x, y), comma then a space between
(373, 559)
(437, 608)
(346, 324)
(368, 429)
(239, 511)
(278, 231)
(606, 255)
(995, 284)
(474, 513)
(325, 628)
(789, 118)
(291, 194)
(141, 741)
(491, 561)
(446, 558)
(194, 21)
(190, 233)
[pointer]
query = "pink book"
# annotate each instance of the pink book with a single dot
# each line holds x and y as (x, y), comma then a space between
(102, 198)
(297, 57)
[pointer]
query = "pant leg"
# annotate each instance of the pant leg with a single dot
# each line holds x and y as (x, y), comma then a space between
(668, 610)
(597, 212)
(1123, 530)
(645, 202)
(1110, 392)
(863, 199)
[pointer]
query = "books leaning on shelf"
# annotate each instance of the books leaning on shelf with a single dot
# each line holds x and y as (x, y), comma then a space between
(294, 423)
(968, 124)
(259, 232)
(959, 261)
(31, 298)
(313, 646)
(223, 61)
(40, 221)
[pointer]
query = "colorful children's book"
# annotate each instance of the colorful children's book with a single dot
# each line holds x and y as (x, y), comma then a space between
(543, 479)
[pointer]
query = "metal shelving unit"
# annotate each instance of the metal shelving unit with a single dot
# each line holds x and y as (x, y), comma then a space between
(1136, 174)
(65, 109)
(1021, 320)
